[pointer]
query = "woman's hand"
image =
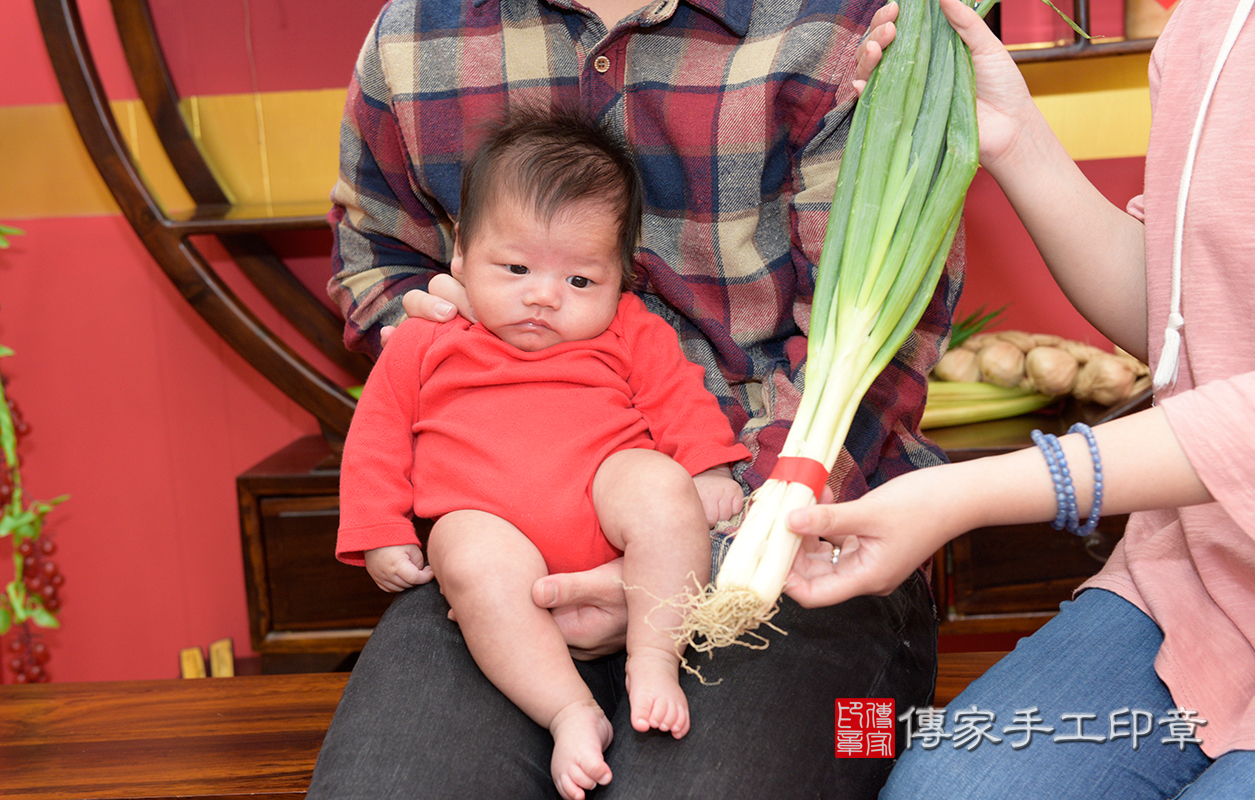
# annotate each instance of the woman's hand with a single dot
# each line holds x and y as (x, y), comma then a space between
(1004, 107)
(882, 538)
(444, 299)
(589, 607)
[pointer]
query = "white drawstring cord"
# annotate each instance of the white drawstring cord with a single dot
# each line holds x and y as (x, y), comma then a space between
(1170, 356)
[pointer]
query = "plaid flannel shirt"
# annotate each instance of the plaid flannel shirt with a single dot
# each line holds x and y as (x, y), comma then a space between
(736, 113)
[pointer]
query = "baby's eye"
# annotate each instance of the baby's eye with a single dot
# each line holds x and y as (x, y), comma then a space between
(517, 269)
(579, 281)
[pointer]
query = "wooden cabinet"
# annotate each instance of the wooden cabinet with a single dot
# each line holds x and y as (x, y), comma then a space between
(1012, 578)
(307, 611)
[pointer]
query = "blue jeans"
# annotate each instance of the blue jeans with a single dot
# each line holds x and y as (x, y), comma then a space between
(1088, 674)
(419, 720)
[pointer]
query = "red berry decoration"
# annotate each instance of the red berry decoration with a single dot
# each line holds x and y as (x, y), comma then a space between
(28, 656)
(32, 596)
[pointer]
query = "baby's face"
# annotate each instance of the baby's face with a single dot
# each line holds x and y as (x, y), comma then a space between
(535, 284)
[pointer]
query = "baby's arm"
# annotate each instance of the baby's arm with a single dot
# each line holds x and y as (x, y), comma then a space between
(398, 567)
(722, 497)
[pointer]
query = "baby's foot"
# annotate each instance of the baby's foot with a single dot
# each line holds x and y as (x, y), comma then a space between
(581, 733)
(654, 691)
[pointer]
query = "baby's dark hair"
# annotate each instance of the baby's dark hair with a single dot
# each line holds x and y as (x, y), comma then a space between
(549, 160)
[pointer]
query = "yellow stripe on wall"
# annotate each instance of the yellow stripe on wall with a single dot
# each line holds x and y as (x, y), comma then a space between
(1099, 107)
(282, 147)
(47, 172)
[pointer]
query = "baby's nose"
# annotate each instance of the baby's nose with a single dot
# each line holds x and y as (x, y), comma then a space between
(542, 293)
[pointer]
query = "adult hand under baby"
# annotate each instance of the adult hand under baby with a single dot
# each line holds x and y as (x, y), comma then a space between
(589, 607)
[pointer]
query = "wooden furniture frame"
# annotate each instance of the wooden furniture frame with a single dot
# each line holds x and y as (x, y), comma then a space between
(253, 737)
(1080, 47)
(307, 611)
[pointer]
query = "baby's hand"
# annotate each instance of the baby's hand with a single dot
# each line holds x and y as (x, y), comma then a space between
(721, 495)
(399, 567)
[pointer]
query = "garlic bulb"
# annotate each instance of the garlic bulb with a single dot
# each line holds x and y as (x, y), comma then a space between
(958, 365)
(1104, 379)
(1001, 363)
(1051, 370)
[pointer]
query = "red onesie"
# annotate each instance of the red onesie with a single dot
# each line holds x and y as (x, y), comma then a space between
(454, 418)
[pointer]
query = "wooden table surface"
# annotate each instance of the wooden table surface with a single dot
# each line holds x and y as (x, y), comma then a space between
(956, 670)
(255, 736)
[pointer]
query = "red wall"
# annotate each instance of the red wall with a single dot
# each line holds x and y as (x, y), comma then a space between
(1004, 268)
(138, 411)
(144, 417)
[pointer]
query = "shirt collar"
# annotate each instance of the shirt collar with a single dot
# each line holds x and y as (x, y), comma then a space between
(734, 14)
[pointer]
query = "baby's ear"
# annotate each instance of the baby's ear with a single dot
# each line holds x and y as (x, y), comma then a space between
(455, 264)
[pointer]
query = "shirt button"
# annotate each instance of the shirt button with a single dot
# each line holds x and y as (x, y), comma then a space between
(601, 64)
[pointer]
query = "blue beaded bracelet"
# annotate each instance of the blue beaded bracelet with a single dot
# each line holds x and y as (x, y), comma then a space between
(1068, 515)
(1095, 510)
(1049, 447)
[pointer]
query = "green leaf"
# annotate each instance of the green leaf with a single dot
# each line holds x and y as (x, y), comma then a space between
(6, 621)
(22, 525)
(43, 617)
(6, 230)
(42, 508)
(972, 324)
(17, 600)
(8, 438)
(1068, 20)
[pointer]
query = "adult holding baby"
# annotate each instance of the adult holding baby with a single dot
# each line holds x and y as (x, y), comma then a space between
(736, 115)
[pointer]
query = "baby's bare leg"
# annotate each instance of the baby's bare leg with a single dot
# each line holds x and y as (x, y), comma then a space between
(486, 568)
(649, 508)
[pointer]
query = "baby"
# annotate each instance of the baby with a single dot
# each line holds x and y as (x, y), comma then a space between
(562, 429)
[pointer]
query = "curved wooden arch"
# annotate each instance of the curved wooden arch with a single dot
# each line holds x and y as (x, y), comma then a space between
(168, 238)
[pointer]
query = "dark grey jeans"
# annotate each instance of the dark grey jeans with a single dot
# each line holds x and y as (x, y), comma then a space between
(419, 720)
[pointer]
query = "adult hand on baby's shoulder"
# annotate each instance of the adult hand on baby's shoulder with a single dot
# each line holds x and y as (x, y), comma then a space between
(444, 299)
(589, 607)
